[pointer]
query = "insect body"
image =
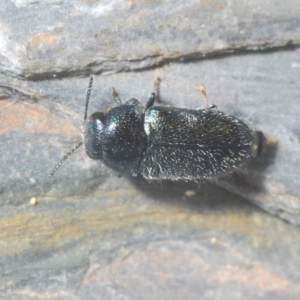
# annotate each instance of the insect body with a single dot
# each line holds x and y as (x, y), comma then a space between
(165, 142)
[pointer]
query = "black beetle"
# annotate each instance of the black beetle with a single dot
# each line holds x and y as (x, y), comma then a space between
(165, 142)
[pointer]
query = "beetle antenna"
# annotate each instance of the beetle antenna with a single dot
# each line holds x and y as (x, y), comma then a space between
(87, 98)
(64, 159)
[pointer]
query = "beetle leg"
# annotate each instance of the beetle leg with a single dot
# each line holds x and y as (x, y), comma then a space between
(116, 96)
(202, 89)
(157, 89)
(150, 102)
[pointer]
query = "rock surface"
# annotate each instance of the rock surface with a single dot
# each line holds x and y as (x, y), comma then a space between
(93, 235)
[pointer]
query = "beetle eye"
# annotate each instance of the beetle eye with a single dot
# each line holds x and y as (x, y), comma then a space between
(100, 116)
(93, 133)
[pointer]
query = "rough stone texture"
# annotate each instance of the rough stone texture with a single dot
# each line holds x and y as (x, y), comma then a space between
(95, 236)
(43, 38)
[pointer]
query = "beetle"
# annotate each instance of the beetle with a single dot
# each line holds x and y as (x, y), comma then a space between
(165, 142)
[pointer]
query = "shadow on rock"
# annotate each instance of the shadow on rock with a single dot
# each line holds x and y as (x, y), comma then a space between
(210, 194)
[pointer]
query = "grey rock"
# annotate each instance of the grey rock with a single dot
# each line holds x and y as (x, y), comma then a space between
(93, 235)
(44, 38)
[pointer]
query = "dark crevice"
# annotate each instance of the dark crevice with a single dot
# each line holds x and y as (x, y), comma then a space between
(91, 68)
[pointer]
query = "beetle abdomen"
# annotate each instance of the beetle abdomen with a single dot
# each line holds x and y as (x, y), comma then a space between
(193, 144)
